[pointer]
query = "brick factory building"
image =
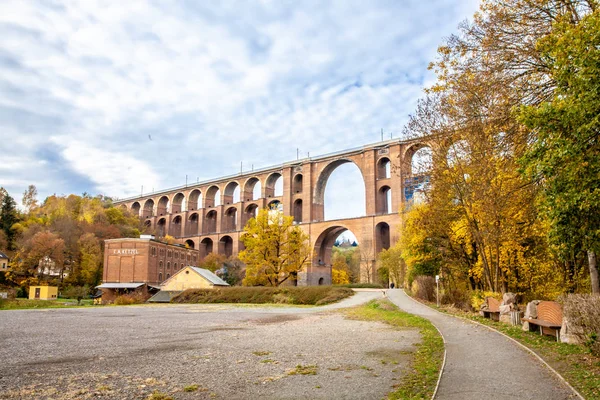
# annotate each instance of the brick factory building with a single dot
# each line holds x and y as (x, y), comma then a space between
(141, 265)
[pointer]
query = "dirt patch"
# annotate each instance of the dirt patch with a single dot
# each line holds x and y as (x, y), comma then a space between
(277, 319)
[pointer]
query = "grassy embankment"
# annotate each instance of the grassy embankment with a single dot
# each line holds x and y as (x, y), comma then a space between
(420, 380)
(310, 295)
(20, 304)
(574, 362)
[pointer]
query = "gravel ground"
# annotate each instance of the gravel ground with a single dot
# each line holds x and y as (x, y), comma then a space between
(482, 364)
(228, 352)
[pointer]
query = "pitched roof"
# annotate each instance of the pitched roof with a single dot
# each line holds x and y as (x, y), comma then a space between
(2, 255)
(210, 276)
(206, 274)
(109, 285)
(163, 296)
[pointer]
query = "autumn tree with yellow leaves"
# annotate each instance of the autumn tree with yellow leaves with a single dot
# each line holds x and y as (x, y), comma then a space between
(67, 233)
(275, 251)
(482, 225)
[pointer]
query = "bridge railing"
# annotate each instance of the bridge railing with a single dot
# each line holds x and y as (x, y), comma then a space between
(260, 170)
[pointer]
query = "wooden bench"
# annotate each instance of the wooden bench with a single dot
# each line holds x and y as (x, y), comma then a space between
(493, 309)
(549, 320)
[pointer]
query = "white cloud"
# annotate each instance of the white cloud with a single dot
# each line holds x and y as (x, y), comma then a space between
(115, 95)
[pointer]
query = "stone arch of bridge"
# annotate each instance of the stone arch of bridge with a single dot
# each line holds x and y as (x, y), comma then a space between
(231, 193)
(162, 206)
(408, 157)
(161, 227)
(148, 208)
(226, 246)
(251, 186)
(175, 228)
(178, 203)
(211, 199)
(272, 188)
(206, 247)
(321, 183)
(135, 208)
(194, 200)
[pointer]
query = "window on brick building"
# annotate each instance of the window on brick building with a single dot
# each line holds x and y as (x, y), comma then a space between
(168, 266)
(160, 276)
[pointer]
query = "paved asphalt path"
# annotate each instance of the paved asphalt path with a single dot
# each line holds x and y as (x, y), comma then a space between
(482, 364)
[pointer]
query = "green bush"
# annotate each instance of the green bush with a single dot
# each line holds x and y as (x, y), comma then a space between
(310, 295)
(362, 286)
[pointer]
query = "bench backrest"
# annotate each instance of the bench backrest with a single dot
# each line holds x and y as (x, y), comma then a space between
(493, 304)
(550, 311)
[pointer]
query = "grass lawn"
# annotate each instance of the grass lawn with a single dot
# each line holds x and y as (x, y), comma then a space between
(420, 380)
(575, 363)
(19, 304)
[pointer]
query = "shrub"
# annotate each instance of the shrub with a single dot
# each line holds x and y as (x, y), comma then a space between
(423, 287)
(131, 298)
(310, 295)
(457, 298)
(583, 314)
(479, 296)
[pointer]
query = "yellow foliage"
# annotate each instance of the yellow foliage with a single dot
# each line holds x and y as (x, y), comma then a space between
(340, 274)
(275, 249)
(478, 297)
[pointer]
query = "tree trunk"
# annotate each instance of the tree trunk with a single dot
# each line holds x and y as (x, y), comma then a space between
(593, 272)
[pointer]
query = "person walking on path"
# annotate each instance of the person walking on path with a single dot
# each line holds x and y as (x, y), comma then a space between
(483, 364)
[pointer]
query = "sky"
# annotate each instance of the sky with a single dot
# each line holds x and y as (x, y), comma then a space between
(105, 97)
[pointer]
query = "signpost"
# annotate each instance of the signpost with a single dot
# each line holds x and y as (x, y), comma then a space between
(437, 284)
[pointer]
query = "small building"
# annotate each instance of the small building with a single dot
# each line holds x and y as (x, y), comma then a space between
(187, 278)
(43, 292)
(4, 260)
(140, 265)
(48, 268)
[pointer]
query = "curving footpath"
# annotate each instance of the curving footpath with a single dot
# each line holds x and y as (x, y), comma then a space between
(483, 364)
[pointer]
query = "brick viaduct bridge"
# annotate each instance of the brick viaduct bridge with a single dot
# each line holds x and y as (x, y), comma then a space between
(210, 216)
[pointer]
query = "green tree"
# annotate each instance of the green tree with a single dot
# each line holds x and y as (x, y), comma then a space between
(9, 216)
(275, 249)
(213, 261)
(77, 292)
(565, 157)
(89, 271)
(391, 260)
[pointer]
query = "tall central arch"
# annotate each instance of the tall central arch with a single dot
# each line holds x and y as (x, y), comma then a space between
(321, 184)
